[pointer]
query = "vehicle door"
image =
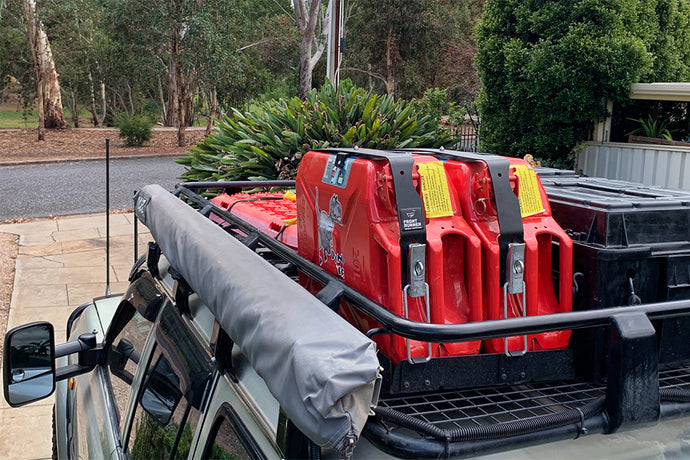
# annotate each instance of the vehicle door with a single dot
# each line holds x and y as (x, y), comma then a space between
(98, 400)
(163, 418)
(242, 417)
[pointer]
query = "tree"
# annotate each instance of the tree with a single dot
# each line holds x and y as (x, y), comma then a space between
(400, 47)
(81, 48)
(158, 31)
(669, 41)
(193, 53)
(548, 68)
(16, 69)
(312, 23)
(50, 114)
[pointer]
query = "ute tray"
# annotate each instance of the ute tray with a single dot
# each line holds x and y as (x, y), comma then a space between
(515, 416)
(467, 421)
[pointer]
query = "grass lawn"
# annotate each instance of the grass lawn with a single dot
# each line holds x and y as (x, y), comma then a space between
(10, 117)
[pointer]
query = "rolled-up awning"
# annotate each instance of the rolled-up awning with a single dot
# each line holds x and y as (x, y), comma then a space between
(322, 370)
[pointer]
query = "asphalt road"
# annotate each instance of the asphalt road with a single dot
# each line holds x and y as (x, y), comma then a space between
(60, 189)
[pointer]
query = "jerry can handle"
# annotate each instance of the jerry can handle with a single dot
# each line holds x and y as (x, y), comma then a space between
(406, 294)
(506, 291)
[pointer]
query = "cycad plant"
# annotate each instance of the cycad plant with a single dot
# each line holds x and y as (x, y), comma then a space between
(269, 142)
(653, 128)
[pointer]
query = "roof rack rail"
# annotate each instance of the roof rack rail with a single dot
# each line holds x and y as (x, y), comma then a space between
(517, 405)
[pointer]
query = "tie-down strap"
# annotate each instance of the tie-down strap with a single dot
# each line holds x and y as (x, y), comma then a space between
(507, 204)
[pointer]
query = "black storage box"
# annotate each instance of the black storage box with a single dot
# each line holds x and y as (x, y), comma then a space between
(549, 172)
(631, 245)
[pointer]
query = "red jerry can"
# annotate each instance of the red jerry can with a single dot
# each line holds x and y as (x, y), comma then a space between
(472, 184)
(273, 213)
(348, 223)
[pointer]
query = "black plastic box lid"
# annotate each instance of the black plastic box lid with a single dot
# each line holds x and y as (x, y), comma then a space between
(613, 213)
(549, 172)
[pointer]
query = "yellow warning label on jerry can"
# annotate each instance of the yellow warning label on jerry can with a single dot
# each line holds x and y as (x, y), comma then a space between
(528, 194)
(435, 191)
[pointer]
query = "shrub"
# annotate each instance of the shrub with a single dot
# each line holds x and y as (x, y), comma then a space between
(436, 104)
(547, 69)
(653, 128)
(269, 142)
(136, 131)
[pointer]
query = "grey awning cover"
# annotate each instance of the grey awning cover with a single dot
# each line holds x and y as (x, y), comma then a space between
(322, 370)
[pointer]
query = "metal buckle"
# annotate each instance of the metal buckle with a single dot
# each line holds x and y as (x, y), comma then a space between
(515, 268)
(515, 284)
(417, 270)
(427, 358)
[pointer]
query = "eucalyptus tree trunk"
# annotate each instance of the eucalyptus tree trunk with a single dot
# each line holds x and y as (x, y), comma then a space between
(312, 45)
(182, 106)
(74, 107)
(172, 115)
(179, 90)
(50, 113)
(189, 113)
(97, 119)
(390, 77)
(212, 108)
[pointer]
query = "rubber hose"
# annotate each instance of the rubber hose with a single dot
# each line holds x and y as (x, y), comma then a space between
(674, 395)
(494, 431)
(314, 451)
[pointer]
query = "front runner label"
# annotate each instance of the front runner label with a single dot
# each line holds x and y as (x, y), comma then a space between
(435, 190)
(412, 219)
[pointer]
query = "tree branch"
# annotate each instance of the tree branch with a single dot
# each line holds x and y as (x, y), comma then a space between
(300, 15)
(274, 1)
(378, 76)
(260, 42)
(314, 9)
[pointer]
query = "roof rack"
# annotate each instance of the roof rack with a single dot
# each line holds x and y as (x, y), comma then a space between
(484, 403)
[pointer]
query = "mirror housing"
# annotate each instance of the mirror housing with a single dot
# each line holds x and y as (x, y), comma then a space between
(29, 363)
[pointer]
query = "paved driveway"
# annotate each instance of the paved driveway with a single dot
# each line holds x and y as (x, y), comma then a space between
(60, 265)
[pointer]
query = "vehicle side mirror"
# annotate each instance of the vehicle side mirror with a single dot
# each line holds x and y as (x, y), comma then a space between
(29, 363)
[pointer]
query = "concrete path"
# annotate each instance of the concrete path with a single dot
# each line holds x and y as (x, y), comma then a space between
(60, 265)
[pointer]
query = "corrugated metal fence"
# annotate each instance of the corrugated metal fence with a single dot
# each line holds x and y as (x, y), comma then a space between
(660, 165)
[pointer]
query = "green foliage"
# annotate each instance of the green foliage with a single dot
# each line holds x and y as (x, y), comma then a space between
(653, 128)
(412, 45)
(136, 130)
(269, 142)
(154, 441)
(669, 41)
(16, 70)
(436, 104)
(548, 67)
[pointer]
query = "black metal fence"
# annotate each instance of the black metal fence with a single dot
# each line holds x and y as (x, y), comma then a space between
(469, 142)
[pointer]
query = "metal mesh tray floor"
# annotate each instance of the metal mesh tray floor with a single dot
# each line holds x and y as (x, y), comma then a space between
(486, 406)
(678, 378)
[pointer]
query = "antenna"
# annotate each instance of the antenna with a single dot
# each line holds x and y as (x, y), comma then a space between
(107, 216)
(136, 231)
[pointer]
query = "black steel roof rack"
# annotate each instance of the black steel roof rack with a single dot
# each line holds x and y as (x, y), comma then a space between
(512, 402)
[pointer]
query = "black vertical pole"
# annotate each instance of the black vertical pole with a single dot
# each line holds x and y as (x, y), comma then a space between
(107, 216)
(136, 233)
